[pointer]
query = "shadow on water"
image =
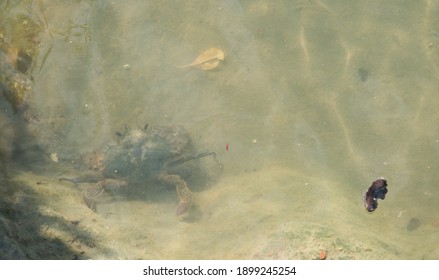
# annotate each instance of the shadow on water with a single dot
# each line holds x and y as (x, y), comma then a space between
(27, 233)
(31, 226)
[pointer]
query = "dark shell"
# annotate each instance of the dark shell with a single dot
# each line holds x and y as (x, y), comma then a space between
(377, 190)
(142, 153)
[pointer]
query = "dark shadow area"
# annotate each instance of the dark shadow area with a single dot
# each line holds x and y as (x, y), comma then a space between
(25, 231)
(29, 227)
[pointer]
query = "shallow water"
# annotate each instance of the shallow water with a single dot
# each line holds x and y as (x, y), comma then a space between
(315, 100)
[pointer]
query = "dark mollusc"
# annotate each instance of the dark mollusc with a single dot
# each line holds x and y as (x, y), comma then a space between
(378, 189)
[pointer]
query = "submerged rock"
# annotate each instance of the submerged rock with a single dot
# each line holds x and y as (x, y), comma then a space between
(15, 85)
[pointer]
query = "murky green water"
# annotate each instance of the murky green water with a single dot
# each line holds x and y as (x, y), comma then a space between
(315, 100)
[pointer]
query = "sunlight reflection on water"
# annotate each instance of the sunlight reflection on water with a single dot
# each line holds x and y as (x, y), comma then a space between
(307, 134)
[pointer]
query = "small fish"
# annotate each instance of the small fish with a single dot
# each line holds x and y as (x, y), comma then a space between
(207, 60)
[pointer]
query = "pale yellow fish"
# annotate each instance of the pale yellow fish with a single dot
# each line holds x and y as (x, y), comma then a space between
(207, 60)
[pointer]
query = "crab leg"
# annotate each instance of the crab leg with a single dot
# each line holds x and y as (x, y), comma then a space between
(89, 195)
(83, 179)
(188, 158)
(183, 192)
(185, 196)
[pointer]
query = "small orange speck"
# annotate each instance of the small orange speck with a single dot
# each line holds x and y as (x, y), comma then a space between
(322, 255)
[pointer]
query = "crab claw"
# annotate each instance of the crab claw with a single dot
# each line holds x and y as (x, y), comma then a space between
(185, 196)
(91, 193)
(183, 207)
(183, 192)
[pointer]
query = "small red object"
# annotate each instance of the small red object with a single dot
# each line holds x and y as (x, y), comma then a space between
(227, 147)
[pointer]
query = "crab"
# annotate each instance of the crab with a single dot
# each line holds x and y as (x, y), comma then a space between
(142, 154)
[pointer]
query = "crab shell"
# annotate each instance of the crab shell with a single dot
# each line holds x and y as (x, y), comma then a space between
(142, 153)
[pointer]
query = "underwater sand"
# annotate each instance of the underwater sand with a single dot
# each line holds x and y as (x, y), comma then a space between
(315, 100)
